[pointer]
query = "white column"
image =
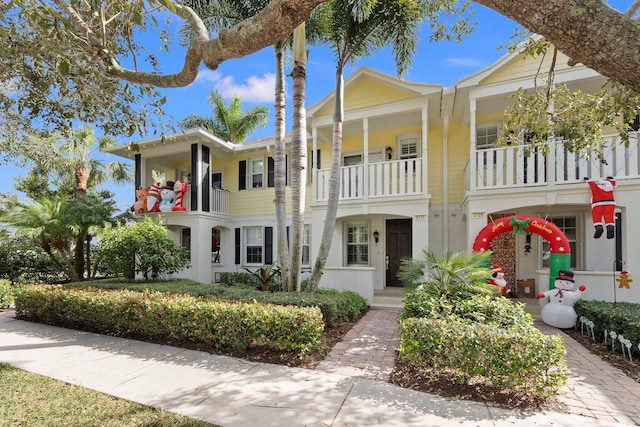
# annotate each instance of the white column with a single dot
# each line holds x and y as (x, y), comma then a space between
(445, 182)
(365, 172)
(425, 131)
(314, 162)
(472, 144)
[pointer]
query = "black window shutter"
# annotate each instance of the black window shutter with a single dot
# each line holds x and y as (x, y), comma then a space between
(238, 246)
(288, 238)
(194, 177)
(206, 203)
(242, 175)
(318, 159)
(286, 169)
(268, 245)
(138, 170)
(270, 172)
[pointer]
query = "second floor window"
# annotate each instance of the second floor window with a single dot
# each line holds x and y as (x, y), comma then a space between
(487, 134)
(408, 147)
(256, 173)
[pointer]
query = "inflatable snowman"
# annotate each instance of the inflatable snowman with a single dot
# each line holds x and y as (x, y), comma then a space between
(559, 310)
(167, 197)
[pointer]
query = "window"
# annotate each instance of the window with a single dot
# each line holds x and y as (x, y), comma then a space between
(216, 180)
(215, 245)
(352, 159)
(357, 242)
(408, 147)
(487, 134)
(306, 245)
(569, 226)
(253, 245)
(256, 173)
(185, 240)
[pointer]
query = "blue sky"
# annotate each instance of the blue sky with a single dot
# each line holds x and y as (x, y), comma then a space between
(252, 78)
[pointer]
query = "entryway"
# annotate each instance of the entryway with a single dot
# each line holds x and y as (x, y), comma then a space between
(398, 246)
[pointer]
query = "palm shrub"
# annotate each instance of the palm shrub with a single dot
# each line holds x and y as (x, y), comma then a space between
(6, 294)
(447, 274)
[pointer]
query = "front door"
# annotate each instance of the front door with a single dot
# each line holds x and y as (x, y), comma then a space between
(398, 247)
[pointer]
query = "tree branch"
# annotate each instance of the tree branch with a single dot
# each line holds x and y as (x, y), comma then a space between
(632, 9)
(273, 24)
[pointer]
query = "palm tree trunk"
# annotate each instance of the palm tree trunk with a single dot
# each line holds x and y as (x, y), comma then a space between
(82, 179)
(280, 178)
(334, 186)
(298, 154)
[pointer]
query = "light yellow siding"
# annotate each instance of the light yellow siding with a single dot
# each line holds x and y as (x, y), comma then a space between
(434, 167)
(525, 66)
(368, 92)
(458, 157)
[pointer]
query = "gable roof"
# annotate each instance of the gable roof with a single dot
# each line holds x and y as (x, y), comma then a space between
(363, 73)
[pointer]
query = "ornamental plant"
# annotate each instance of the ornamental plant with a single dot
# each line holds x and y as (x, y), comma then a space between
(142, 248)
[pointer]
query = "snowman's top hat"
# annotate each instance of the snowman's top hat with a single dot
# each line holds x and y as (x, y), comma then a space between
(565, 275)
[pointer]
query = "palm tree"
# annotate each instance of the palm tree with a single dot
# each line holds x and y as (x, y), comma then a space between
(48, 222)
(224, 14)
(356, 30)
(71, 158)
(228, 122)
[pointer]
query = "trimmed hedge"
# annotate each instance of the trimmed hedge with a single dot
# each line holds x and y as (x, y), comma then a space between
(337, 307)
(158, 316)
(620, 317)
(531, 362)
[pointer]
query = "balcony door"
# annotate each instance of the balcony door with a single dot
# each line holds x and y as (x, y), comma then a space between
(398, 246)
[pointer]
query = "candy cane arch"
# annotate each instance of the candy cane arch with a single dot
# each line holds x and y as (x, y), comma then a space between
(560, 258)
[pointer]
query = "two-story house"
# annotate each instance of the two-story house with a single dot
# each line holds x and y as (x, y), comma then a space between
(420, 169)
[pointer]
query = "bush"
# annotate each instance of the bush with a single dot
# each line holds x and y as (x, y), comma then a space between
(21, 263)
(620, 317)
(529, 362)
(337, 307)
(142, 248)
(6, 294)
(159, 317)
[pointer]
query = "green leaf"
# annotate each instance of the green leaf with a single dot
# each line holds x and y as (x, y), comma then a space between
(63, 67)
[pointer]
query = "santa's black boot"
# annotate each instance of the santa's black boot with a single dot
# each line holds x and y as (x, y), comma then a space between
(610, 232)
(599, 231)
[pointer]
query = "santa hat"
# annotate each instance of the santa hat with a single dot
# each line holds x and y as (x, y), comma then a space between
(565, 275)
(496, 269)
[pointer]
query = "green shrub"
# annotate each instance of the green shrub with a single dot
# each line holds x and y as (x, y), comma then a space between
(159, 317)
(6, 294)
(530, 362)
(620, 317)
(484, 309)
(22, 263)
(239, 279)
(337, 307)
(142, 248)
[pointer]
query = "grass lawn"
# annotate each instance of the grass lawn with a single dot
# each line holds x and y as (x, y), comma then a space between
(27, 399)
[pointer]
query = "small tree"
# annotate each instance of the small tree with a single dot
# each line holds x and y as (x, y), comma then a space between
(142, 248)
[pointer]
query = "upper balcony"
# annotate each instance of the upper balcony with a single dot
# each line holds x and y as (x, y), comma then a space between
(518, 167)
(373, 180)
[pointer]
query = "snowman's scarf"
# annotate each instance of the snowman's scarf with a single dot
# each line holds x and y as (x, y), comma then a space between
(559, 293)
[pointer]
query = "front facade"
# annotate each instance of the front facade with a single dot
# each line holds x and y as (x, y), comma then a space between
(419, 170)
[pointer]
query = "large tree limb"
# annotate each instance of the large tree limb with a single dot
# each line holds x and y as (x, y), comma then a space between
(273, 24)
(588, 31)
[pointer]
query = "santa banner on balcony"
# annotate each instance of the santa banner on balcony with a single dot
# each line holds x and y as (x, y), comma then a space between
(603, 205)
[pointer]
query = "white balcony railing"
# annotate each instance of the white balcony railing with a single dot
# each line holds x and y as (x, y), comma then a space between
(519, 166)
(219, 201)
(383, 179)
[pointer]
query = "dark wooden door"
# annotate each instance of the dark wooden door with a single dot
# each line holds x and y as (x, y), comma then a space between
(398, 246)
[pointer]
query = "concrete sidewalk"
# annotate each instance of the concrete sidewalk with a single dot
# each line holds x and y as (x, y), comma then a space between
(233, 392)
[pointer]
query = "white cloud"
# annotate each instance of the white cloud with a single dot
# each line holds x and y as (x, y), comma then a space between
(255, 89)
(462, 62)
(207, 76)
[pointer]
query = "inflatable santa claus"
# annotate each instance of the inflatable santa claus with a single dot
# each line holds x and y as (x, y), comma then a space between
(497, 279)
(603, 205)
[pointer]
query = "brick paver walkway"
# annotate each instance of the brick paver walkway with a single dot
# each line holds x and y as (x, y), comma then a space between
(368, 350)
(594, 388)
